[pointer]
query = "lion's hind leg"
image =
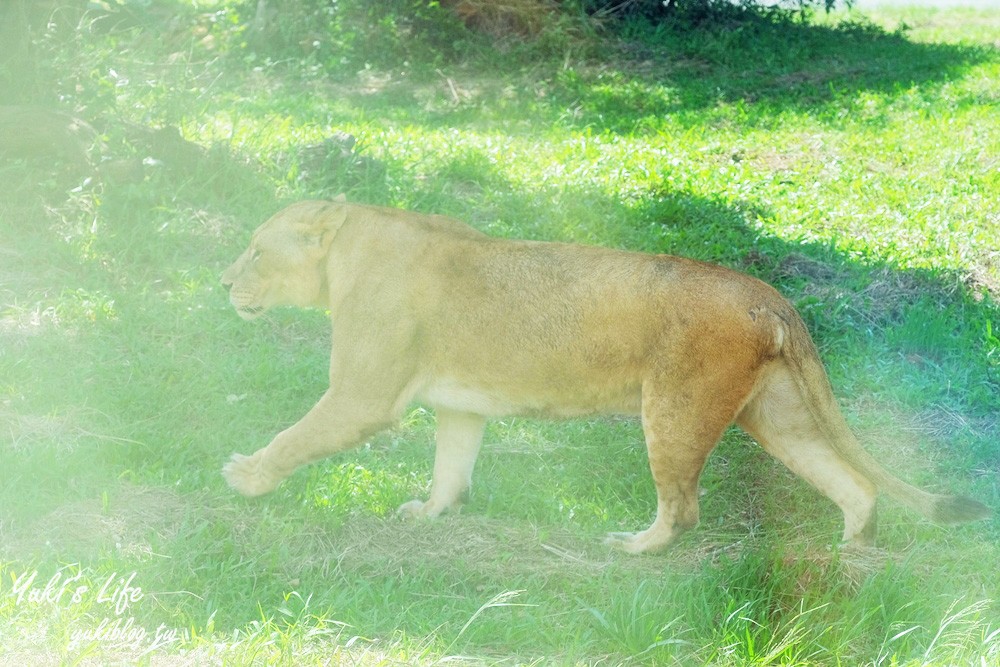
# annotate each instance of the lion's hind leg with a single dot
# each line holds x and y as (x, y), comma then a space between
(681, 430)
(780, 420)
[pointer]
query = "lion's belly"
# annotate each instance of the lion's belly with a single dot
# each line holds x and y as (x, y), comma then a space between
(560, 402)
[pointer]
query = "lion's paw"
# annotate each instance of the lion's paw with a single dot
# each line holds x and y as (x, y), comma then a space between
(418, 509)
(415, 509)
(623, 541)
(637, 543)
(246, 474)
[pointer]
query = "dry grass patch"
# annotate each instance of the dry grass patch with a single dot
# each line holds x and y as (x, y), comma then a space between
(504, 19)
(477, 546)
(122, 521)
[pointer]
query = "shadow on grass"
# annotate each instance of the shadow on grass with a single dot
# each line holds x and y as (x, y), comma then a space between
(757, 58)
(764, 62)
(767, 61)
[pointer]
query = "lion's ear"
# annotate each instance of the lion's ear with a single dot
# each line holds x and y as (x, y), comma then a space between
(318, 230)
(342, 198)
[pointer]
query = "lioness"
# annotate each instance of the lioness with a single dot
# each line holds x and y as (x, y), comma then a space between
(426, 309)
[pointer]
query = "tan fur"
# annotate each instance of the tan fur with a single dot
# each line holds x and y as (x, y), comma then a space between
(425, 309)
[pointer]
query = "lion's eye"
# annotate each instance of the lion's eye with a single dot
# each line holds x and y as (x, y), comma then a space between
(255, 255)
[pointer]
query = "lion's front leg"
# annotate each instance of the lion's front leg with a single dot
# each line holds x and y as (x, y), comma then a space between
(334, 424)
(249, 475)
(459, 435)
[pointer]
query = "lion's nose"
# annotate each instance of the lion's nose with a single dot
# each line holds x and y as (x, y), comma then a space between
(226, 283)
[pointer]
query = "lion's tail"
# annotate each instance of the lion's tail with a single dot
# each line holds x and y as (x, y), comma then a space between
(799, 351)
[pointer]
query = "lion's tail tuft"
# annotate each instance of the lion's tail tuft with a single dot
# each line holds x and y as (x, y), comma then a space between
(958, 509)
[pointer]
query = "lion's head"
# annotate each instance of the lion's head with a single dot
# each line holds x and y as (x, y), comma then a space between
(284, 265)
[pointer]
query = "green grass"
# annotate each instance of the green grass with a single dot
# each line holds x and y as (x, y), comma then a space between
(853, 165)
